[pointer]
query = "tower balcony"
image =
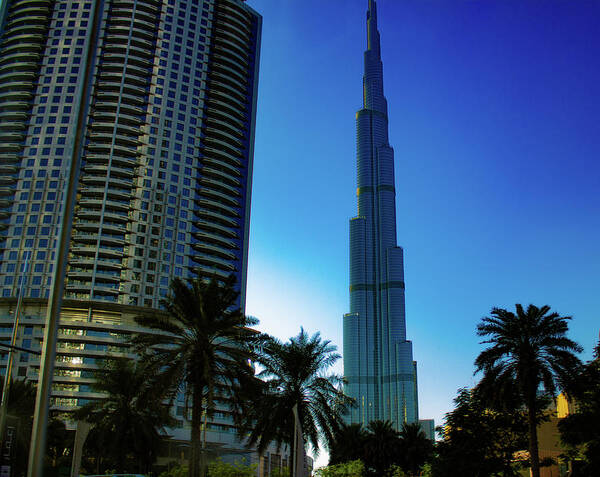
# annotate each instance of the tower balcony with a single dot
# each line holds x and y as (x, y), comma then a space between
(225, 127)
(243, 16)
(105, 262)
(240, 29)
(208, 270)
(217, 183)
(221, 134)
(213, 261)
(24, 38)
(228, 97)
(227, 70)
(224, 166)
(226, 17)
(231, 88)
(214, 111)
(220, 215)
(112, 105)
(228, 108)
(241, 86)
(213, 238)
(227, 51)
(208, 190)
(222, 154)
(213, 250)
(78, 285)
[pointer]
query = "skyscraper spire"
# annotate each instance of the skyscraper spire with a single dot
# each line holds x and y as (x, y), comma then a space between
(373, 97)
(372, 32)
(378, 364)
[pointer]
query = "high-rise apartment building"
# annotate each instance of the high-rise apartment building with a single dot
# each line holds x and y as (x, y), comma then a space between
(378, 364)
(158, 100)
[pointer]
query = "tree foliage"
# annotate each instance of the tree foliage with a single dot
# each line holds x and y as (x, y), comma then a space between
(581, 430)
(295, 373)
(216, 468)
(478, 441)
(203, 350)
(219, 468)
(128, 421)
(354, 468)
(21, 405)
(382, 448)
(348, 444)
(416, 449)
(529, 352)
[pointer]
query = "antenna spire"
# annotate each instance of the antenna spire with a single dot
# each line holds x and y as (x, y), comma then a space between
(372, 32)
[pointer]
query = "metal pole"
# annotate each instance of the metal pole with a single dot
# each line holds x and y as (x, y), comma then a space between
(37, 448)
(8, 373)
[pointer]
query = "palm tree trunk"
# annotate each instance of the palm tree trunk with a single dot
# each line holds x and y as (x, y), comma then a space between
(196, 469)
(293, 451)
(534, 457)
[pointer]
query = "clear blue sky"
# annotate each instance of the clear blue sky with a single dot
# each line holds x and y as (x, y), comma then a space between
(494, 113)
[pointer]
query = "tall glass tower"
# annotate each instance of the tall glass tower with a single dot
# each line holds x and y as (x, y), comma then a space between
(158, 100)
(378, 364)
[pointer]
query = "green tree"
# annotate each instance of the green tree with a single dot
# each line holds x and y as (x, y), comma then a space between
(59, 445)
(21, 403)
(127, 423)
(382, 448)
(203, 349)
(218, 468)
(416, 449)
(354, 468)
(295, 374)
(479, 441)
(280, 472)
(348, 444)
(176, 471)
(529, 349)
(580, 430)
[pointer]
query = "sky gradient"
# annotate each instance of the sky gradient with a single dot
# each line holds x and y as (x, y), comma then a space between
(494, 110)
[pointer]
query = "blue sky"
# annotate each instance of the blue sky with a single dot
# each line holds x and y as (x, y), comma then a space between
(494, 111)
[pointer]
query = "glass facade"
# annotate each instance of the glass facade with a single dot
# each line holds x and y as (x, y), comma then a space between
(157, 98)
(165, 133)
(378, 364)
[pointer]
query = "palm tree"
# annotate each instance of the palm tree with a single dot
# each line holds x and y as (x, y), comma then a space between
(528, 349)
(21, 404)
(382, 447)
(129, 420)
(203, 349)
(294, 374)
(348, 444)
(415, 448)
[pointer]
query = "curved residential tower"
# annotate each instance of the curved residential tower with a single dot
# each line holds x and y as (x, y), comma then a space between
(156, 99)
(378, 364)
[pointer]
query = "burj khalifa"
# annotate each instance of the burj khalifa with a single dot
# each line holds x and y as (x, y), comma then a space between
(378, 360)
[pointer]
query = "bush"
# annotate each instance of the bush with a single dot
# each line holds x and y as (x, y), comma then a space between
(218, 468)
(176, 471)
(353, 468)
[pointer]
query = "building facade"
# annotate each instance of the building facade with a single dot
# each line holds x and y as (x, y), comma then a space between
(157, 99)
(378, 363)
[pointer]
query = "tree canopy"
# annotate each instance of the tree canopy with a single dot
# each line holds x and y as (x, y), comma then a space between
(529, 352)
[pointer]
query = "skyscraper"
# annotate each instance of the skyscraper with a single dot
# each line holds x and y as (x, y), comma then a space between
(378, 363)
(158, 99)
